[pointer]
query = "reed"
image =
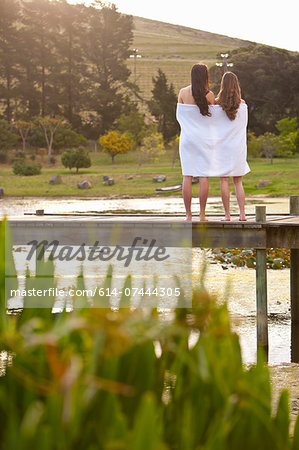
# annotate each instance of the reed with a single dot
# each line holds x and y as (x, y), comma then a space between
(103, 379)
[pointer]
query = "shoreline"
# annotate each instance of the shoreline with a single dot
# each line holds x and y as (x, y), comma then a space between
(127, 196)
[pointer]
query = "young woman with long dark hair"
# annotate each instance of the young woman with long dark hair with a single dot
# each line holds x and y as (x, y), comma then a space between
(198, 93)
(229, 98)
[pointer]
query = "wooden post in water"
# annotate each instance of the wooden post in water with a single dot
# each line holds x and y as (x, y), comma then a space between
(261, 288)
(294, 275)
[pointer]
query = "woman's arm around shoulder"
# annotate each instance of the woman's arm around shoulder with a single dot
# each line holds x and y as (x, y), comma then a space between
(210, 98)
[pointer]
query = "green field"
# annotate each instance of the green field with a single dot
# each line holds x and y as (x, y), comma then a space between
(174, 49)
(284, 174)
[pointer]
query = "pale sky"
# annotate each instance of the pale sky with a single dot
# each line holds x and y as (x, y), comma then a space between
(268, 22)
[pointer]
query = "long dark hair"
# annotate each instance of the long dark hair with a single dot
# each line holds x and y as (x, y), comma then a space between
(200, 86)
(229, 97)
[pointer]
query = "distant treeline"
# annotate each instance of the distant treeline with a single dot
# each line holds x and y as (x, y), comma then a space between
(64, 60)
(70, 62)
(269, 79)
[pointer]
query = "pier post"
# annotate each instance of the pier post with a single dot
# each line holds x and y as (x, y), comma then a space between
(294, 275)
(261, 288)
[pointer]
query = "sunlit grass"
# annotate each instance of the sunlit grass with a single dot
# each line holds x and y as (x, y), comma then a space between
(283, 173)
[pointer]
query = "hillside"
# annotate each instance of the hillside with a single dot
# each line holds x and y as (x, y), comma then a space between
(174, 49)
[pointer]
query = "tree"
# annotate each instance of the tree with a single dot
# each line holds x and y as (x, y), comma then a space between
(70, 71)
(9, 38)
(163, 106)
(49, 126)
(23, 129)
(40, 31)
(7, 138)
(76, 157)
(133, 124)
(116, 143)
(288, 134)
(174, 148)
(272, 145)
(254, 147)
(65, 137)
(287, 125)
(270, 84)
(151, 149)
(107, 47)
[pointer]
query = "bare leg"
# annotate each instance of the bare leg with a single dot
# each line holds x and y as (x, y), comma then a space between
(187, 195)
(203, 196)
(240, 194)
(224, 186)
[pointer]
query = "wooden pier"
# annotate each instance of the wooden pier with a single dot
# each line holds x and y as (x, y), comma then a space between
(261, 231)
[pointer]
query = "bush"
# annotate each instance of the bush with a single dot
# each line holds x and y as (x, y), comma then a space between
(254, 147)
(20, 167)
(3, 157)
(8, 139)
(19, 155)
(76, 158)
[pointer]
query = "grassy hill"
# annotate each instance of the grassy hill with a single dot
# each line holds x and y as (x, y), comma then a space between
(174, 49)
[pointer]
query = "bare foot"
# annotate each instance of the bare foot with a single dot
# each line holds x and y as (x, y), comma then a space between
(226, 219)
(243, 219)
(188, 218)
(203, 218)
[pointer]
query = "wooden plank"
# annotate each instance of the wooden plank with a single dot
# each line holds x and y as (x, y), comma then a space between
(294, 279)
(282, 237)
(261, 299)
(229, 237)
(110, 232)
(213, 234)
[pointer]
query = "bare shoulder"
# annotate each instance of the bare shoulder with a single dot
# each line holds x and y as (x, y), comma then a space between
(180, 96)
(211, 98)
(183, 93)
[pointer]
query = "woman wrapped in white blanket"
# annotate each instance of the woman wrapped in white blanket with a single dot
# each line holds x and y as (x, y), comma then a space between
(213, 138)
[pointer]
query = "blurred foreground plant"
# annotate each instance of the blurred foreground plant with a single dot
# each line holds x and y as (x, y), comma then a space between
(103, 379)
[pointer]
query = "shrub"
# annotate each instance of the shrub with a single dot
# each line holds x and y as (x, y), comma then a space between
(20, 167)
(3, 157)
(7, 138)
(76, 157)
(19, 155)
(151, 149)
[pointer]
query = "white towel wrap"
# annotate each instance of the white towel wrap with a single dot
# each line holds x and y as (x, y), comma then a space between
(212, 146)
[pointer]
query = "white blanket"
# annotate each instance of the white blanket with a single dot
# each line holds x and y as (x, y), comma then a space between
(212, 146)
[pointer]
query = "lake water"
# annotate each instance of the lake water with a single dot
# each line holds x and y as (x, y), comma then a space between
(14, 206)
(235, 285)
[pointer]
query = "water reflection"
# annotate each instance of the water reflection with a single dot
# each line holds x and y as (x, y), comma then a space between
(237, 286)
(167, 205)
